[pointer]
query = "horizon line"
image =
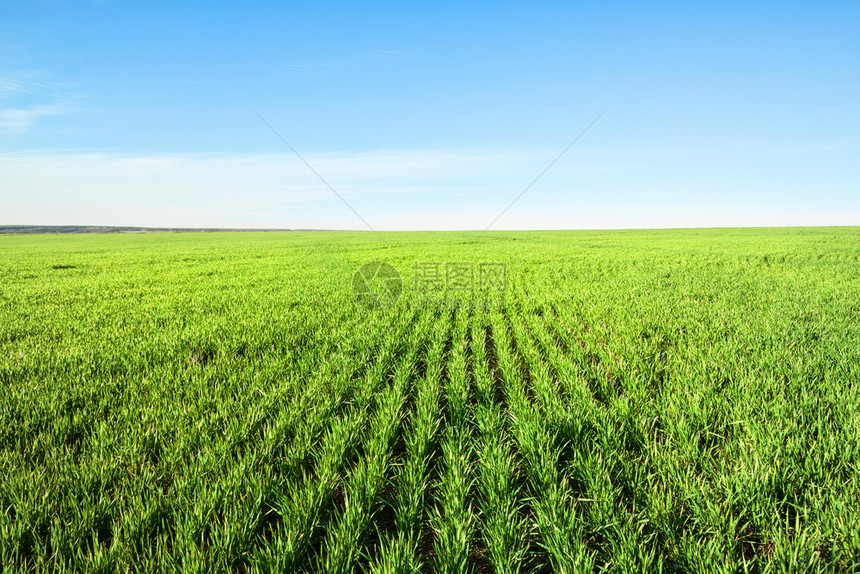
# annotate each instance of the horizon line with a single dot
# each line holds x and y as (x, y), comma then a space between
(23, 229)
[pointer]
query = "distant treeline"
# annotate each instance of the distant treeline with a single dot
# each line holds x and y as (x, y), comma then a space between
(14, 229)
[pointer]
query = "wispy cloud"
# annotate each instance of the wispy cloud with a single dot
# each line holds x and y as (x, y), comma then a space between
(409, 189)
(22, 119)
(270, 190)
(10, 87)
(25, 99)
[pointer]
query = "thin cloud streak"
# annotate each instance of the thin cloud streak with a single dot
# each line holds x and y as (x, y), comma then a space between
(26, 99)
(21, 120)
(417, 189)
(217, 189)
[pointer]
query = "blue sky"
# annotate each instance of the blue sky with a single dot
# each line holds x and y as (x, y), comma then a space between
(429, 115)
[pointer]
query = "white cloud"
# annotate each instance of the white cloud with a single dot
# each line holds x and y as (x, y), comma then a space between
(20, 120)
(27, 97)
(409, 189)
(10, 87)
(214, 190)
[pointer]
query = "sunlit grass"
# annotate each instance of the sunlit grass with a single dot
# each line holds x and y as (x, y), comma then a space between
(684, 401)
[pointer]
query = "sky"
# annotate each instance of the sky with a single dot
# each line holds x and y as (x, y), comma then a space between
(429, 115)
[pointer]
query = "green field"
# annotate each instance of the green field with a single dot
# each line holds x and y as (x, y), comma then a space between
(627, 401)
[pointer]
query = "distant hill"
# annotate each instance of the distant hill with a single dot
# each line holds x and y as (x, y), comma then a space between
(21, 229)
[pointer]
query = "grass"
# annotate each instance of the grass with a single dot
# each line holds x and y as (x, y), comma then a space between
(627, 401)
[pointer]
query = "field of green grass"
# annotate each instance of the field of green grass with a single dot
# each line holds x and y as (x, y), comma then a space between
(621, 401)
